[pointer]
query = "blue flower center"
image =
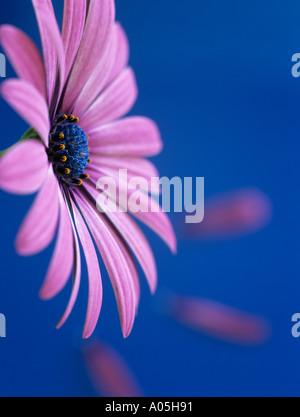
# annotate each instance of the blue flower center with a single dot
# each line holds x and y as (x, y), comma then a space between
(69, 150)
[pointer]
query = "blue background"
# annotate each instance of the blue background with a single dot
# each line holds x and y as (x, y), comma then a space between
(216, 76)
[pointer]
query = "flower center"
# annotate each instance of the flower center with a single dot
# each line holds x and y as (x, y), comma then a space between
(69, 150)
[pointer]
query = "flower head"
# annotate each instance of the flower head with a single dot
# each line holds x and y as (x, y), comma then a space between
(74, 99)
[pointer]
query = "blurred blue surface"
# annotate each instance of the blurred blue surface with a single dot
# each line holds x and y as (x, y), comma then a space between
(216, 76)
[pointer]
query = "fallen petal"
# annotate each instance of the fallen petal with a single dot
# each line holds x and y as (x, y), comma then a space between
(109, 372)
(233, 214)
(218, 320)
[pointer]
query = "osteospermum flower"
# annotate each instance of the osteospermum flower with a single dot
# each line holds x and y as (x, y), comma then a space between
(73, 101)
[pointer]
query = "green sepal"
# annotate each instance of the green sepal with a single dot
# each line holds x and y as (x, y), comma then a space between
(30, 134)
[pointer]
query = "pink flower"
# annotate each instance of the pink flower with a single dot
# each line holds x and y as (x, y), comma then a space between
(233, 214)
(109, 372)
(84, 72)
(218, 320)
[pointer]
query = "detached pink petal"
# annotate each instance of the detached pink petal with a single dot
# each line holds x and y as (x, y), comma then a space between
(95, 282)
(135, 239)
(113, 103)
(109, 373)
(99, 23)
(23, 167)
(72, 29)
(133, 136)
(29, 104)
(24, 57)
(116, 264)
(54, 55)
(233, 214)
(38, 229)
(62, 261)
(218, 320)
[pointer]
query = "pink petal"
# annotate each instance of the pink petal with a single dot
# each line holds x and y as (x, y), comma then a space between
(96, 34)
(109, 373)
(233, 214)
(136, 167)
(150, 212)
(23, 167)
(38, 229)
(161, 225)
(24, 57)
(95, 282)
(76, 277)
(116, 264)
(53, 48)
(98, 78)
(218, 320)
(135, 239)
(122, 54)
(62, 261)
(29, 104)
(133, 136)
(113, 103)
(72, 29)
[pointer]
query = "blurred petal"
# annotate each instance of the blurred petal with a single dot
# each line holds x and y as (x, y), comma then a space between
(233, 214)
(133, 136)
(99, 23)
(109, 373)
(29, 104)
(62, 261)
(38, 228)
(113, 103)
(218, 320)
(23, 167)
(24, 57)
(119, 270)
(95, 282)
(72, 29)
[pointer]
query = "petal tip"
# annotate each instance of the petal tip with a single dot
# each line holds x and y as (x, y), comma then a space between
(45, 295)
(87, 335)
(59, 325)
(22, 250)
(173, 244)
